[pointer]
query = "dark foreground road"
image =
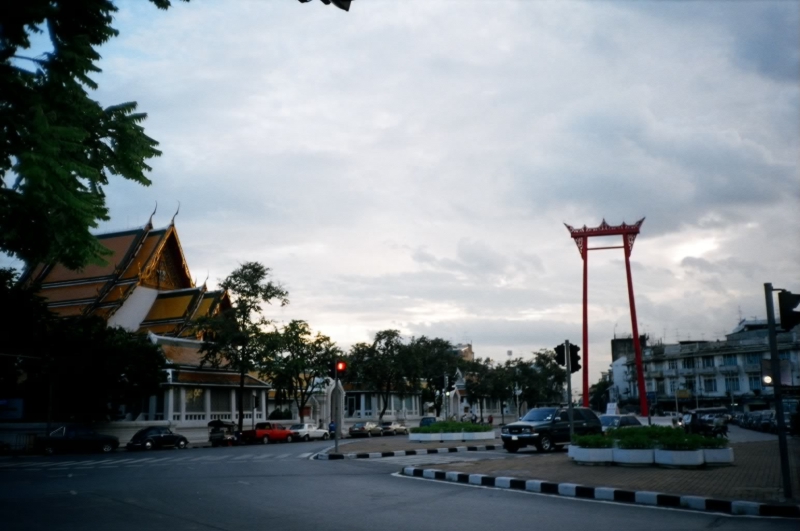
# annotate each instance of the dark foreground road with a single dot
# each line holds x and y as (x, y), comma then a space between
(277, 487)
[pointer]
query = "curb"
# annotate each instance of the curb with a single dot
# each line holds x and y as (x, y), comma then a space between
(402, 453)
(572, 490)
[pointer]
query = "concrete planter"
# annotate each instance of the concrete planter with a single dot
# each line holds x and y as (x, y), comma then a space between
(679, 458)
(459, 436)
(625, 457)
(718, 456)
(592, 456)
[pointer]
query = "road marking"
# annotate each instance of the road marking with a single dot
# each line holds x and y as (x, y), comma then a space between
(282, 456)
(303, 456)
(245, 456)
(264, 456)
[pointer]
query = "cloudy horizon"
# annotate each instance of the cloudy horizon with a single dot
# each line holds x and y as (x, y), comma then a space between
(411, 165)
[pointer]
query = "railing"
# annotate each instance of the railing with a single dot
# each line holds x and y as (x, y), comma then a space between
(688, 372)
(195, 416)
(670, 373)
(655, 374)
(220, 416)
(729, 369)
(752, 367)
(707, 370)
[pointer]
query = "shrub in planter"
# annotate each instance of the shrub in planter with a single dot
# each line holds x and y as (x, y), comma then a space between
(680, 450)
(633, 449)
(716, 451)
(592, 441)
(592, 449)
(453, 427)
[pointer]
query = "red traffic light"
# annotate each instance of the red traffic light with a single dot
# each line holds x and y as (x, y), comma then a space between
(341, 366)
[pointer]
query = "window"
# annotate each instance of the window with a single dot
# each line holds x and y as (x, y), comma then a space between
(783, 355)
(754, 382)
(729, 360)
(710, 385)
(753, 359)
(687, 363)
(673, 364)
(673, 384)
(195, 400)
(732, 384)
(708, 361)
(689, 385)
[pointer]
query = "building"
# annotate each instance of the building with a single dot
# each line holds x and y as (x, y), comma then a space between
(727, 373)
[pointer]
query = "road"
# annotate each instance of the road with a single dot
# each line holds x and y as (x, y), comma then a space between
(278, 487)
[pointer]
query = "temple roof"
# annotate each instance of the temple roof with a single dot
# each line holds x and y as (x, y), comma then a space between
(139, 258)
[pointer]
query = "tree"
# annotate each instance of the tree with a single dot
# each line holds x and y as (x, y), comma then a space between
(379, 365)
(598, 394)
(238, 337)
(432, 360)
(303, 363)
(478, 382)
(58, 147)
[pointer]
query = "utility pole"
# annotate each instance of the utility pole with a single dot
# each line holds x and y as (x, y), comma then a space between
(446, 397)
(776, 385)
(337, 410)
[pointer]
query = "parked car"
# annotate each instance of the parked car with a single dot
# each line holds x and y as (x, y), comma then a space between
(695, 423)
(267, 432)
(426, 421)
(306, 432)
(75, 439)
(618, 421)
(765, 420)
(156, 437)
(365, 429)
(547, 427)
(393, 428)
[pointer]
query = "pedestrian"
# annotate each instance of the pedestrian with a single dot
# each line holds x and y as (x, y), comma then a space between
(491, 420)
(474, 418)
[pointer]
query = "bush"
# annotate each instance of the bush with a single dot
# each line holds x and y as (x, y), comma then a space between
(280, 414)
(682, 442)
(714, 442)
(453, 427)
(593, 441)
(635, 441)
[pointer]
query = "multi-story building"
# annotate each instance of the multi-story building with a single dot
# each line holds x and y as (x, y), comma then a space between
(693, 374)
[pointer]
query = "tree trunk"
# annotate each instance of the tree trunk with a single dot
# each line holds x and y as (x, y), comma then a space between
(241, 399)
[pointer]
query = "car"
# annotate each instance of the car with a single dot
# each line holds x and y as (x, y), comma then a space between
(393, 428)
(157, 437)
(426, 421)
(267, 432)
(365, 429)
(306, 432)
(548, 427)
(618, 421)
(75, 439)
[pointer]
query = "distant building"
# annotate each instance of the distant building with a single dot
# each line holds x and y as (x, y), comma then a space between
(465, 351)
(622, 347)
(713, 373)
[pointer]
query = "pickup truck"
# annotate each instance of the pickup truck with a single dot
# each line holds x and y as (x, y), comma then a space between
(267, 432)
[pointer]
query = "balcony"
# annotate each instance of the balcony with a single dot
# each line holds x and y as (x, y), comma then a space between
(729, 369)
(707, 371)
(752, 367)
(687, 372)
(670, 373)
(655, 374)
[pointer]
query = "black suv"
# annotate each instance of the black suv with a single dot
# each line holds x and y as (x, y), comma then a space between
(546, 427)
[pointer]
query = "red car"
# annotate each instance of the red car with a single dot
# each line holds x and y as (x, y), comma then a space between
(267, 432)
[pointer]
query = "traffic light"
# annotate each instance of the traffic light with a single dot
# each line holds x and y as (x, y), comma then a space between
(787, 302)
(574, 358)
(560, 358)
(341, 366)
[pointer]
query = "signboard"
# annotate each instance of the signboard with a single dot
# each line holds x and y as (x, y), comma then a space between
(684, 393)
(612, 408)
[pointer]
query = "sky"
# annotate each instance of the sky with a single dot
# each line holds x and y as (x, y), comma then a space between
(410, 164)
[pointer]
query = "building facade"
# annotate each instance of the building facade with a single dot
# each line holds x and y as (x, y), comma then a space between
(692, 374)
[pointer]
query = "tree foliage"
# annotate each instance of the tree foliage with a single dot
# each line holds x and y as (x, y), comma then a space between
(239, 337)
(58, 147)
(71, 369)
(380, 366)
(302, 363)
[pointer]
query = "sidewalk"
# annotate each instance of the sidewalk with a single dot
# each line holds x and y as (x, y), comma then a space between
(755, 475)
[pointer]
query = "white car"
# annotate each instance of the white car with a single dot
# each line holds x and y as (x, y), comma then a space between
(306, 432)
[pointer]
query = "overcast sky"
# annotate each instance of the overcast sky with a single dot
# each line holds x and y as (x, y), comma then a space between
(411, 164)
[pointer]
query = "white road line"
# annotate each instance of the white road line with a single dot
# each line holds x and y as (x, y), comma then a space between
(264, 456)
(282, 456)
(245, 456)
(305, 455)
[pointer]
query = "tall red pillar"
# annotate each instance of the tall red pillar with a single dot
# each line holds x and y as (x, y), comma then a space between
(585, 322)
(637, 345)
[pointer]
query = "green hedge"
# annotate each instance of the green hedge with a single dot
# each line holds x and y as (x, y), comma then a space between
(453, 427)
(593, 441)
(654, 437)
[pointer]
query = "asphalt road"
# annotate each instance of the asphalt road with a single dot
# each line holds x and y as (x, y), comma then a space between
(278, 487)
